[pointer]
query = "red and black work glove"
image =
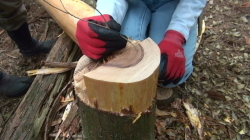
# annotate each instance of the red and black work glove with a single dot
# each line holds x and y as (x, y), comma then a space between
(172, 58)
(99, 37)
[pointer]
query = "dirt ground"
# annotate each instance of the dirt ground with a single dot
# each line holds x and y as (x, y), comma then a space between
(218, 89)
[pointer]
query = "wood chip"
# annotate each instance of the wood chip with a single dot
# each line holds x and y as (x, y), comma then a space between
(138, 116)
(47, 71)
(1, 32)
(66, 124)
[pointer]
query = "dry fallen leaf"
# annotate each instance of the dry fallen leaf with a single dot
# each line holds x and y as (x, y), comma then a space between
(176, 104)
(194, 117)
(245, 4)
(161, 113)
(247, 40)
(228, 119)
(159, 126)
(216, 95)
(211, 1)
(165, 113)
(67, 100)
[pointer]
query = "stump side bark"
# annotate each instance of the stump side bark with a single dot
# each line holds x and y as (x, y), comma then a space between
(99, 125)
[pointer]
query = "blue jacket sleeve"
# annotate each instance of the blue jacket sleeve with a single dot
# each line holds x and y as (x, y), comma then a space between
(185, 16)
(116, 8)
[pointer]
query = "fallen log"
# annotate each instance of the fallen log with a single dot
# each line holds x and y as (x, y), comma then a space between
(71, 65)
(28, 121)
(117, 98)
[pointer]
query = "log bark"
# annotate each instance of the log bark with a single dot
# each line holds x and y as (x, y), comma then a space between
(99, 125)
(71, 65)
(27, 123)
(67, 13)
(117, 98)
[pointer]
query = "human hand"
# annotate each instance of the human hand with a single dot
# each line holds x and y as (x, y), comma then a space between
(172, 57)
(98, 38)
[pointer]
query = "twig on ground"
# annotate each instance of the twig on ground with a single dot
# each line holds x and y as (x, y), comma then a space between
(59, 64)
(43, 37)
(11, 56)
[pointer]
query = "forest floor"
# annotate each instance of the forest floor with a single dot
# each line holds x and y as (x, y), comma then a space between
(215, 101)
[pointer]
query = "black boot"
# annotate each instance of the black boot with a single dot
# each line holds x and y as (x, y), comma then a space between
(13, 86)
(40, 47)
(26, 44)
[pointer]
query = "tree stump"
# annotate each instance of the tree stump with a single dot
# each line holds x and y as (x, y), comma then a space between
(117, 98)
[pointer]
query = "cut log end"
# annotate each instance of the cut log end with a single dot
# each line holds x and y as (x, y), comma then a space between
(121, 89)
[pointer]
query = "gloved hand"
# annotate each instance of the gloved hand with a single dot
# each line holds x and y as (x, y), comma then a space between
(172, 57)
(97, 41)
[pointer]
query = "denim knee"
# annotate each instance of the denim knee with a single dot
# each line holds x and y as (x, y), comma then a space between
(136, 20)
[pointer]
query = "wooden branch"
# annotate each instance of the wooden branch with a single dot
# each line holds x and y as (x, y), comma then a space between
(71, 65)
(60, 13)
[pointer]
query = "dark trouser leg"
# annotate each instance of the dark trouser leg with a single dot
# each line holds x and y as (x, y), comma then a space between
(22, 38)
(12, 14)
(26, 44)
(13, 18)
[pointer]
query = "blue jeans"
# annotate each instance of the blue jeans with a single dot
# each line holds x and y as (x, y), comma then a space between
(150, 18)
